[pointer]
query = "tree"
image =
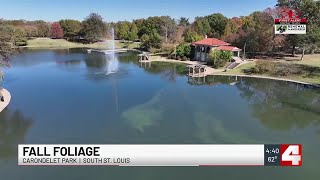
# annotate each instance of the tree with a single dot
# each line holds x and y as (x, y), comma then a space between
(217, 24)
(56, 31)
(19, 36)
(139, 23)
(153, 40)
(122, 30)
(133, 35)
(93, 28)
(232, 27)
(219, 58)
(168, 28)
(162, 25)
(201, 26)
(308, 9)
(184, 21)
(43, 28)
(31, 30)
(71, 28)
(191, 36)
(6, 44)
(183, 49)
(179, 35)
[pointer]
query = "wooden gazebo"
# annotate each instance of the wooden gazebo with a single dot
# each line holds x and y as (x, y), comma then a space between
(197, 70)
(143, 57)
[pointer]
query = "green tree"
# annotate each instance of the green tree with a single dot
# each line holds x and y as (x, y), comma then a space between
(217, 24)
(122, 30)
(183, 49)
(219, 58)
(202, 26)
(71, 28)
(184, 21)
(94, 28)
(162, 25)
(153, 40)
(191, 36)
(133, 35)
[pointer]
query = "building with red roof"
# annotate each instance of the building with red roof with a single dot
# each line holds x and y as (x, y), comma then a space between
(203, 48)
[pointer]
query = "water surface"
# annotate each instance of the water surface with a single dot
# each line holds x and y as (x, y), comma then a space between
(64, 97)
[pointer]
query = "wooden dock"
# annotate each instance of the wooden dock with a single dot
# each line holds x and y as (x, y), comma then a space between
(107, 51)
(113, 51)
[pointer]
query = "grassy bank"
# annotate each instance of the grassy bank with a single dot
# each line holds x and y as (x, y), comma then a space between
(309, 70)
(62, 43)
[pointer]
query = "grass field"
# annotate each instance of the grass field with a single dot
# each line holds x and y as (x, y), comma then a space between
(309, 60)
(62, 43)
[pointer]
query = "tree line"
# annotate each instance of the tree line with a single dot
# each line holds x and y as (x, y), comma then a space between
(254, 32)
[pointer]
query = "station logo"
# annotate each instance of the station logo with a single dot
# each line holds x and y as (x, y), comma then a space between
(289, 21)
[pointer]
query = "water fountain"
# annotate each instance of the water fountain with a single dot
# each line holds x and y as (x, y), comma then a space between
(113, 64)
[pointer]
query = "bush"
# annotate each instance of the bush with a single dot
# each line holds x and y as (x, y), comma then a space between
(263, 67)
(171, 56)
(219, 64)
(219, 58)
(183, 50)
(184, 58)
(154, 50)
(167, 48)
(276, 68)
(21, 43)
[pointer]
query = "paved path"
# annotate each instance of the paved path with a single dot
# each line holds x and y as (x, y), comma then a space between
(7, 98)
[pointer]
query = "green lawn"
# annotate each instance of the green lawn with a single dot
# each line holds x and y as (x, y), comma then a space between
(62, 43)
(312, 61)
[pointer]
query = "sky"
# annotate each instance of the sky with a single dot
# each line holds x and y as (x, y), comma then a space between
(120, 10)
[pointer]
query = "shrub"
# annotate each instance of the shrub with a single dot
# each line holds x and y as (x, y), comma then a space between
(263, 66)
(154, 50)
(167, 48)
(184, 58)
(183, 50)
(219, 58)
(171, 56)
(275, 68)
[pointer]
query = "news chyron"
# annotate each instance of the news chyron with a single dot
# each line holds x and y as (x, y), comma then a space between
(161, 155)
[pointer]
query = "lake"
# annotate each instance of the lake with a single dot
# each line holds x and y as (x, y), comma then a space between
(64, 97)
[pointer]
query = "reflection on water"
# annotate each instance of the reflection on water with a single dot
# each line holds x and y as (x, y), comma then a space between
(13, 129)
(273, 102)
(63, 97)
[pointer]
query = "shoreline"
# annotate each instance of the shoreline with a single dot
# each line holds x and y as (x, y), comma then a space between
(268, 77)
(219, 72)
(7, 98)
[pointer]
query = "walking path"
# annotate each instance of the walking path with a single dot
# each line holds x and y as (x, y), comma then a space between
(7, 98)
